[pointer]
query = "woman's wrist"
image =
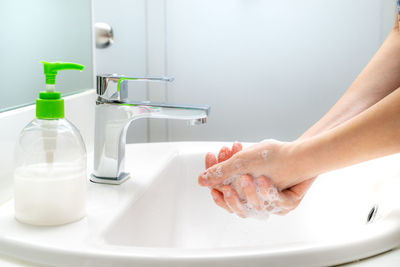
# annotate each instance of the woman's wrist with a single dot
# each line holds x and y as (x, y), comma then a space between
(300, 160)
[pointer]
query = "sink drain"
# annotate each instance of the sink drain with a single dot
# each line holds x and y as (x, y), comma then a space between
(372, 213)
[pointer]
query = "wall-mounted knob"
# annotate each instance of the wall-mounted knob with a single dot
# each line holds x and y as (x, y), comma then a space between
(104, 35)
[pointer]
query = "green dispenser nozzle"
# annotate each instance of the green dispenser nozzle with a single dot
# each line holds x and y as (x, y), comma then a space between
(50, 105)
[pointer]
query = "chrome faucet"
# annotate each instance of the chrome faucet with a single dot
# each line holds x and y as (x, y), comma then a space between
(114, 113)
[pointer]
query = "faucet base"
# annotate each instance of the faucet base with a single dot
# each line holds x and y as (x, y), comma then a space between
(105, 180)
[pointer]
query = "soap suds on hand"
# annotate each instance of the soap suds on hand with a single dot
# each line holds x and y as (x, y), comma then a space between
(218, 171)
(238, 164)
(269, 198)
(264, 154)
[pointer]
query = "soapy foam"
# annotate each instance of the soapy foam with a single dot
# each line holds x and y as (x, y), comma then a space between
(272, 194)
(264, 154)
(218, 171)
(268, 203)
(230, 180)
(244, 183)
(238, 164)
(239, 205)
(227, 193)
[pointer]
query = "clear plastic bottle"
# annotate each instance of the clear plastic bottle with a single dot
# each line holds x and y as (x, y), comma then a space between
(50, 172)
(50, 176)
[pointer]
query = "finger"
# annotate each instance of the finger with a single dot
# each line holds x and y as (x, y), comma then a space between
(224, 154)
(282, 202)
(290, 198)
(282, 212)
(287, 202)
(236, 147)
(269, 194)
(263, 186)
(232, 200)
(219, 172)
(250, 191)
(219, 199)
(211, 160)
(301, 189)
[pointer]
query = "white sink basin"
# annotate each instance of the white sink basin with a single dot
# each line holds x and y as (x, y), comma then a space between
(161, 217)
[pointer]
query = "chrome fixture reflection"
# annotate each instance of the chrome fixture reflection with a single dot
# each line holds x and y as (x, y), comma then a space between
(115, 112)
(104, 35)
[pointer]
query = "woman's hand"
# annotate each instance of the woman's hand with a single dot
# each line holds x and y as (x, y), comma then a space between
(240, 180)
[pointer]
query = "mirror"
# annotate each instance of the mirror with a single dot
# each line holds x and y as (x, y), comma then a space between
(43, 30)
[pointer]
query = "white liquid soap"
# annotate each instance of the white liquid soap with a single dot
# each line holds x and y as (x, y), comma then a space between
(36, 185)
(50, 172)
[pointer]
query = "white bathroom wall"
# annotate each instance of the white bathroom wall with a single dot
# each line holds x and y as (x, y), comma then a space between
(268, 68)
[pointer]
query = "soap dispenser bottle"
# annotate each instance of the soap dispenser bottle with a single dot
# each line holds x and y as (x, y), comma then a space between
(50, 173)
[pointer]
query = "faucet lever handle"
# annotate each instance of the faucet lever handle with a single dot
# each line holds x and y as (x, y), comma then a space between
(108, 86)
(148, 79)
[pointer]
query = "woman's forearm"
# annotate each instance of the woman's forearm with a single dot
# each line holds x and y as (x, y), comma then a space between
(378, 79)
(371, 134)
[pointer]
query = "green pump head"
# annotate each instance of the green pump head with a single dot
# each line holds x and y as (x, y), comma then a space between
(50, 105)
